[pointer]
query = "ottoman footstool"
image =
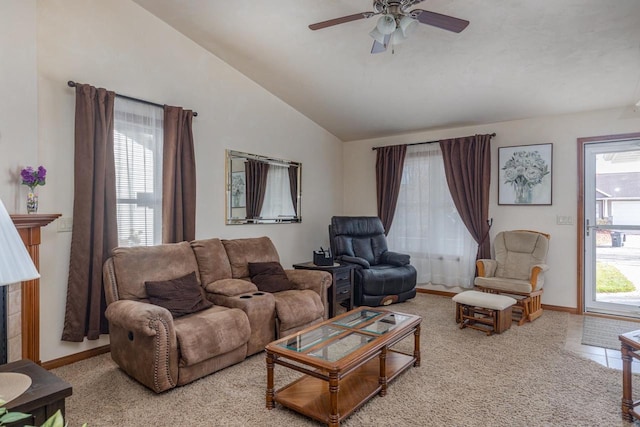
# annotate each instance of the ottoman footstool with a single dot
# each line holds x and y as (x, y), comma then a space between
(483, 311)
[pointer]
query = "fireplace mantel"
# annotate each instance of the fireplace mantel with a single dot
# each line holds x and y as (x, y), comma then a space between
(29, 229)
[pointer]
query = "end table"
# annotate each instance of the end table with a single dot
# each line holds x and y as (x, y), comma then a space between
(45, 396)
(342, 287)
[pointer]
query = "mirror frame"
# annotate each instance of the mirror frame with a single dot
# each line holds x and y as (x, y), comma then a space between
(230, 219)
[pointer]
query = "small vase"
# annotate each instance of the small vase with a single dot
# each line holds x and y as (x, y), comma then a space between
(523, 194)
(32, 201)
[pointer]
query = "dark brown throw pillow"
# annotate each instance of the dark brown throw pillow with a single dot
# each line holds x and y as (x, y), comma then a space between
(269, 277)
(180, 296)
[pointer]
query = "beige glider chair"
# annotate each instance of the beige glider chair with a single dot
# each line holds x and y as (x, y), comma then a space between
(517, 270)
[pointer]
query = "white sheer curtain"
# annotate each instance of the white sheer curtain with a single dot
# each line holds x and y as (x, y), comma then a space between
(426, 224)
(277, 198)
(138, 136)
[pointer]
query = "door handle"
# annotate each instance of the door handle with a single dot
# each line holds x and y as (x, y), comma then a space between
(589, 227)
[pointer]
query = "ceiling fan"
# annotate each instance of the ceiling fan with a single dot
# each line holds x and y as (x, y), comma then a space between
(396, 21)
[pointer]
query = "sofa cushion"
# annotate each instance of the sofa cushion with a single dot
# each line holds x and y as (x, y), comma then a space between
(180, 296)
(269, 277)
(243, 251)
(297, 308)
(230, 287)
(209, 333)
(213, 262)
(505, 285)
(135, 265)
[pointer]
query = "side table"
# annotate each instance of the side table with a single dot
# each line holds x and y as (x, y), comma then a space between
(43, 398)
(342, 287)
(629, 345)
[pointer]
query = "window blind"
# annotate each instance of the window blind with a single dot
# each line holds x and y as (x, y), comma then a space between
(138, 136)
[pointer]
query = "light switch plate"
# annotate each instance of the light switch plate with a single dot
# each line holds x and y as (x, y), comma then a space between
(65, 224)
(564, 220)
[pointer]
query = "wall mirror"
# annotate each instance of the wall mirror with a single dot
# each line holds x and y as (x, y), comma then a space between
(262, 190)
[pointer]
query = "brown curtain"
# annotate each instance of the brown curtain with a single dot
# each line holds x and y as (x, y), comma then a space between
(467, 165)
(256, 173)
(95, 231)
(178, 177)
(389, 164)
(293, 186)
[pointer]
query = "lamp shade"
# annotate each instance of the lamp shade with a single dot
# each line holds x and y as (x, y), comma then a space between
(15, 262)
(386, 24)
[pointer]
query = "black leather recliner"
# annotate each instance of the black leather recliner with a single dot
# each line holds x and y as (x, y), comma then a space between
(382, 277)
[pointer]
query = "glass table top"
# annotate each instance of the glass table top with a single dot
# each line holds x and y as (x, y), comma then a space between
(386, 323)
(302, 342)
(343, 336)
(337, 349)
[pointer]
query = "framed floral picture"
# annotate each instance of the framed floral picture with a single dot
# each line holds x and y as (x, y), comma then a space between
(525, 175)
(238, 190)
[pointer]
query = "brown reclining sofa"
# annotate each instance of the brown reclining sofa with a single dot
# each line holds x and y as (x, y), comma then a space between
(163, 352)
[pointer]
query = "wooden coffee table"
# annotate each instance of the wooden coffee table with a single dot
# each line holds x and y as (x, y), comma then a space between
(346, 361)
(629, 347)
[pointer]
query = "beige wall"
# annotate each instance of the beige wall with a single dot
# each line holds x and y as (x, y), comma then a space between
(120, 46)
(562, 131)
(18, 99)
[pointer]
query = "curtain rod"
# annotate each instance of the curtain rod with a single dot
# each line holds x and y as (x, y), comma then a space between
(428, 142)
(71, 83)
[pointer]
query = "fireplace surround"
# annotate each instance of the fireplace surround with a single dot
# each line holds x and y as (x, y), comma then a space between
(29, 227)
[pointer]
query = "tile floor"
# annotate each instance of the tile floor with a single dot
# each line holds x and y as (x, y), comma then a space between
(604, 356)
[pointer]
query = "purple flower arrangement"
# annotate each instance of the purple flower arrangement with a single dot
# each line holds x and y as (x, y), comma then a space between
(32, 178)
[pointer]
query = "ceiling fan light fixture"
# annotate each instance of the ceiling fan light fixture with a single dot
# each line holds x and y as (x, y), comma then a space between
(386, 24)
(398, 36)
(377, 35)
(406, 24)
(396, 21)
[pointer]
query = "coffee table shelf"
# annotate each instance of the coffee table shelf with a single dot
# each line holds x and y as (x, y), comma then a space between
(346, 361)
(310, 396)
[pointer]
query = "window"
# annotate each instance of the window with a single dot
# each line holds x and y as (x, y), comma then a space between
(427, 225)
(138, 136)
(277, 197)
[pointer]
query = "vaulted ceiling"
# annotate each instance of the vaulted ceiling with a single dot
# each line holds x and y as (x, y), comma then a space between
(516, 59)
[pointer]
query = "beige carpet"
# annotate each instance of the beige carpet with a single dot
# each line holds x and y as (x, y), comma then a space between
(523, 377)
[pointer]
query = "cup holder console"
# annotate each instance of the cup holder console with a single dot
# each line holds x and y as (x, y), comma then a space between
(252, 295)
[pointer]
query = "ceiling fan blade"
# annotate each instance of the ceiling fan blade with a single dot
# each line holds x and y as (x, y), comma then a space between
(410, 3)
(342, 20)
(380, 47)
(441, 21)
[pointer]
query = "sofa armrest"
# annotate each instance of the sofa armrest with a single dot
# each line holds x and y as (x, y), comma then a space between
(486, 267)
(395, 258)
(537, 276)
(143, 343)
(317, 281)
(138, 316)
(363, 263)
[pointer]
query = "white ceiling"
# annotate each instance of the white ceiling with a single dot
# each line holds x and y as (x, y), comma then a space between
(516, 59)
